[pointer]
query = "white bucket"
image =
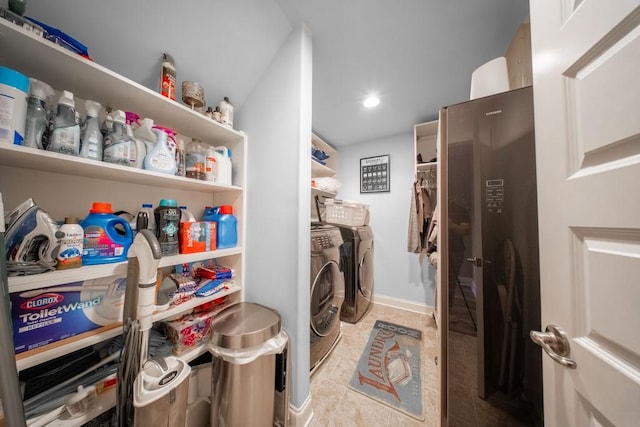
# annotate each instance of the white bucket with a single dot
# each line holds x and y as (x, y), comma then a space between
(14, 91)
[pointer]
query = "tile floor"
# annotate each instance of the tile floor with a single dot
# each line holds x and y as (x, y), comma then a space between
(334, 404)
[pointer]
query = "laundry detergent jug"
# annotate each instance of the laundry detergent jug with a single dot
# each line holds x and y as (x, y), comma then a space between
(226, 225)
(107, 237)
(223, 165)
(167, 216)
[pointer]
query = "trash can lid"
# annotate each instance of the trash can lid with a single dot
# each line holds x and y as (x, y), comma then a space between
(244, 325)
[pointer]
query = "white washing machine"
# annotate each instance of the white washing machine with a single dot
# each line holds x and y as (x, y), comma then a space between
(327, 283)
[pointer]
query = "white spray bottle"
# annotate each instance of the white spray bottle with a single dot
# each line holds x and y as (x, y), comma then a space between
(160, 158)
(91, 139)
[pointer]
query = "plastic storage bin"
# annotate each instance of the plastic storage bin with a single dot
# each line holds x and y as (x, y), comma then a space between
(346, 213)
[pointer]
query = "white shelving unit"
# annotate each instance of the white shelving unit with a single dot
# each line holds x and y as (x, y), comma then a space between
(319, 170)
(331, 163)
(426, 166)
(426, 138)
(67, 186)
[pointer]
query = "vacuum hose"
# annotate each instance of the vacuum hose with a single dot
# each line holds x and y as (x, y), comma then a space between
(144, 257)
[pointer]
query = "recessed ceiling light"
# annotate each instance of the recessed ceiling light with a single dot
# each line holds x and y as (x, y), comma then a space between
(371, 101)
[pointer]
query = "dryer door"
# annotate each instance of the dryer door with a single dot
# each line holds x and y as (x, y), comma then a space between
(324, 307)
(365, 273)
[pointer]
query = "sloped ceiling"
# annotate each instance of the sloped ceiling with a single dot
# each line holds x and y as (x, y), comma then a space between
(418, 55)
(223, 45)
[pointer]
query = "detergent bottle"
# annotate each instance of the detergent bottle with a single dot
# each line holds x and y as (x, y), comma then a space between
(107, 125)
(226, 225)
(117, 144)
(171, 138)
(91, 138)
(37, 116)
(167, 216)
(144, 219)
(70, 237)
(103, 241)
(160, 159)
(223, 165)
(144, 132)
(186, 215)
(65, 137)
(140, 147)
(226, 110)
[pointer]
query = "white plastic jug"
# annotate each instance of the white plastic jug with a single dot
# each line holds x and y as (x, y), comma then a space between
(223, 163)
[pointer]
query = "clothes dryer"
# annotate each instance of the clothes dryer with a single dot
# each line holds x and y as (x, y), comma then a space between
(327, 283)
(357, 265)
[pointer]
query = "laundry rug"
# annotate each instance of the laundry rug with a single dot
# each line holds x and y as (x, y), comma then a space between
(389, 369)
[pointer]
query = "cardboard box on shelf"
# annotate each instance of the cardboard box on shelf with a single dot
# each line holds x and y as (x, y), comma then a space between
(199, 236)
(44, 316)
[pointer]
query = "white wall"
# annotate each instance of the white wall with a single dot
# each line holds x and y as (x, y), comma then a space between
(277, 118)
(223, 45)
(398, 273)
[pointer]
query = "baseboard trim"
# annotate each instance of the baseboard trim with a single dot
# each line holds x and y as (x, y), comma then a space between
(402, 304)
(301, 417)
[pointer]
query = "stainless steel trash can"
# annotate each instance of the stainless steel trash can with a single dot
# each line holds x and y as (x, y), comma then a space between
(249, 375)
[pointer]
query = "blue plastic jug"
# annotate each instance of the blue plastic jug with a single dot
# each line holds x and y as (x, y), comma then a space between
(226, 225)
(107, 237)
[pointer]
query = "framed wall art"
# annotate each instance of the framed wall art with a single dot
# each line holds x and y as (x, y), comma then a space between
(375, 174)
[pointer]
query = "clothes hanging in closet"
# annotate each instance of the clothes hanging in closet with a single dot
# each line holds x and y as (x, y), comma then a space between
(420, 214)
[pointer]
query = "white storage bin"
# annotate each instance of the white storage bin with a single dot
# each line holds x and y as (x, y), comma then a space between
(345, 212)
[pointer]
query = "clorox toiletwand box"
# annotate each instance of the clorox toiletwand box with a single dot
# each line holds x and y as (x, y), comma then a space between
(44, 316)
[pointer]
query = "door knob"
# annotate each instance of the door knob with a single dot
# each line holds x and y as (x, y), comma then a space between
(555, 343)
(475, 261)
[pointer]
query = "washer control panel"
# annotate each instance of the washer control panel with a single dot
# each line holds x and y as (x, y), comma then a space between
(325, 239)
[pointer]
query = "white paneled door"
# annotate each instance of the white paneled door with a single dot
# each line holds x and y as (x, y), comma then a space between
(586, 81)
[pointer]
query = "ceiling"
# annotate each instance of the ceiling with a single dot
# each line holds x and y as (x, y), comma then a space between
(418, 55)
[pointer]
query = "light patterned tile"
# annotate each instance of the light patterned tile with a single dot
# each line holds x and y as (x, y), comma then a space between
(326, 367)
(407, 318)
(398, 419)
(356, 410)
(324, 395)
(343, 371)
(352, 345)
(349, 328)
